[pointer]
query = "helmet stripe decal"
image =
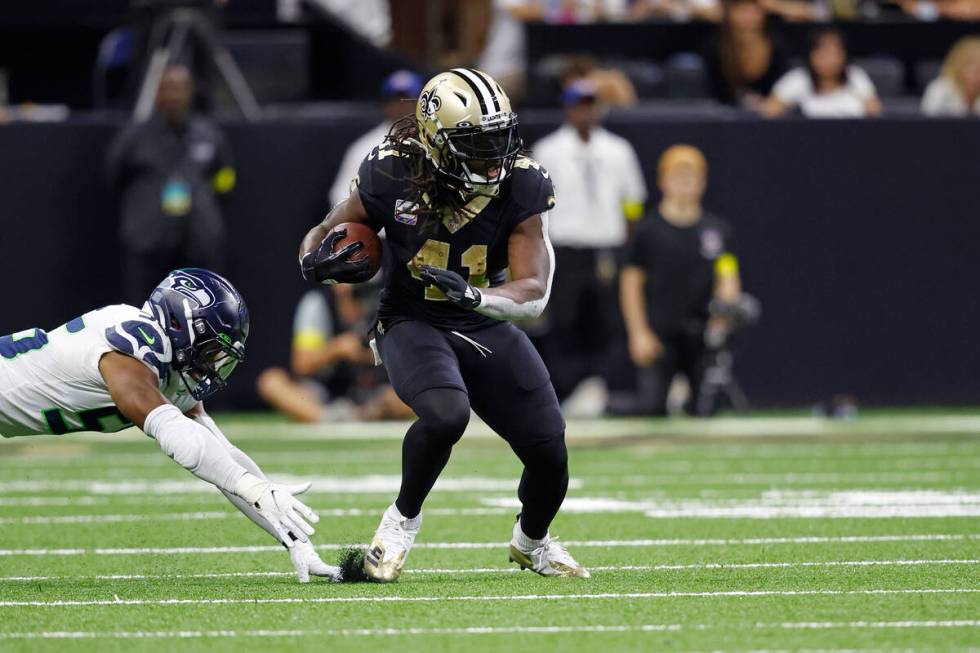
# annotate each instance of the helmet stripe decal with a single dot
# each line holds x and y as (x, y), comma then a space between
(486, 80)
(479, 87)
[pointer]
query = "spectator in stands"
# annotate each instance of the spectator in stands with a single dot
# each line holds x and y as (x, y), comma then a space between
(679, 260)
(743, 60)
(956, 92)
(678, 10)
(828, 87)
(505, 51)
(613, 87)
(600, 190)
(399, 92)
(170, 173)
(333, 376)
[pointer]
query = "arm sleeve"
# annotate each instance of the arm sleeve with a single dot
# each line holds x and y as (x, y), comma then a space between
(635, 254)
(933, 101)
(532, 189)
(861, 83)
(223, 177)
(791, 87)
(313, 325)
(193, 447)
(373, 181)
(504, 308)
(634, 187)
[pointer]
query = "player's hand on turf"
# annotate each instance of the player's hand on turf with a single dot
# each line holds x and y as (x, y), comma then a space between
(328, 267)
(307, 562)
(455, 287)
(278, 505)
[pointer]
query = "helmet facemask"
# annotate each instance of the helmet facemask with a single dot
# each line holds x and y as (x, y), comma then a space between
(210, 365)
(480, 158)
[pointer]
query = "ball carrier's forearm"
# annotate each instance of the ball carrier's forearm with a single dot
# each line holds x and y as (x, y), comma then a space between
(517, 300)
(249, 465)
(532, 267)
(350, 210)
(531, 261)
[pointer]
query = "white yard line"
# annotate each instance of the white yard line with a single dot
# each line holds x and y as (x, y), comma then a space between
(481, 630)
(208, 516)
(116, 601)
(503, 570)
(363, 484)
(639, 543)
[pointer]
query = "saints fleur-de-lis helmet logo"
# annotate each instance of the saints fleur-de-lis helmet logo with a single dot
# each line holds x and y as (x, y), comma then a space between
(468, 129)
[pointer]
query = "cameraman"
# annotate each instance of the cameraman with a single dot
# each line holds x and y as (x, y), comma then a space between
(679, 261)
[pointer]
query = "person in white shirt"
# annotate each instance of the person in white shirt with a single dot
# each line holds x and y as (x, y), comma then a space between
(399, 91)
(598, 178)
(956, 92)
(828, 87)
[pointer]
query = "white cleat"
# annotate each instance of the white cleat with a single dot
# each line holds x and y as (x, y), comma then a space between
(307, 562)
(389, 549)
(546, 556)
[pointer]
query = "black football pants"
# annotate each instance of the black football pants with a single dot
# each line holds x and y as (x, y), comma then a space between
(496, 372)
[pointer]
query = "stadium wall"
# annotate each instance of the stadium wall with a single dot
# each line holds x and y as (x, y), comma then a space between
(859, 238)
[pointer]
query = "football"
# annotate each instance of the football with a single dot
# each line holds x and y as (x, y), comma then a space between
(371, 245)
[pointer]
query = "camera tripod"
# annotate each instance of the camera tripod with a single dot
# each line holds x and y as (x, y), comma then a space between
(168, 38)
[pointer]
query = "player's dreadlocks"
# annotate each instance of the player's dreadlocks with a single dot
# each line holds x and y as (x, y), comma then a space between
(443, 197)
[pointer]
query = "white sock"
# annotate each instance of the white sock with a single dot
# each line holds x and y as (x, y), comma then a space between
(525, 543)
(394, 513)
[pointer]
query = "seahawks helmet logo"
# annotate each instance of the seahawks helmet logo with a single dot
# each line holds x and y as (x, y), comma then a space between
(430, 103)
(192, 288)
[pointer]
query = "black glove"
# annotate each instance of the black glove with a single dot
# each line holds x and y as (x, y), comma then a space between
(456, 288)
(329, 267)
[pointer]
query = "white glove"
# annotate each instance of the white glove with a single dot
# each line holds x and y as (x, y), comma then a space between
(307, 562)
(277, 505)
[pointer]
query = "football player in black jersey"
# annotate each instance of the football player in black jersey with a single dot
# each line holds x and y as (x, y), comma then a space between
(466, 233)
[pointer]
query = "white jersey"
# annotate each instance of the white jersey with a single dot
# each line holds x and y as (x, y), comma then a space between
(50, 381)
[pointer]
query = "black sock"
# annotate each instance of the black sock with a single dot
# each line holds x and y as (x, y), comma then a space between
(443, 414)
(543, 485)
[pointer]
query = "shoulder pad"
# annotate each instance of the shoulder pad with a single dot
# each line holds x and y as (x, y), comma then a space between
(531, 187)
(145, 341)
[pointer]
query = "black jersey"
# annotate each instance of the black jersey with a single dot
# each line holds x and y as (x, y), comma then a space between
(474, 248)
(680, 264)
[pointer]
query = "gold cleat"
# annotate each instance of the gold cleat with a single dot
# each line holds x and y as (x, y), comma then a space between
(389, 549)
(549, 559)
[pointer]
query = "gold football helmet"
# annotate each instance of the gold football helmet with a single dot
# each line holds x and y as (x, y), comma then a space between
(468, 129)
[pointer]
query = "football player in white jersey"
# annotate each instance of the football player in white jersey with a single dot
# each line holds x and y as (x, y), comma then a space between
(120, 366)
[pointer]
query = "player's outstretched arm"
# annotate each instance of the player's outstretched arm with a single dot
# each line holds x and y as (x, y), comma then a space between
(304, 557)
(134, 390)
(532, 267)
(317, 260)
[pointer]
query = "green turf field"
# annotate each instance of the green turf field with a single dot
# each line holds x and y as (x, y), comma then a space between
(778, 533)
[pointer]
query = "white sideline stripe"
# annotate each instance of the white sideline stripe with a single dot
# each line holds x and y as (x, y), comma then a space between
(724, 427)
(515, 597)
(819, 625)
(500, 570)
(845, 539)
(473, 630)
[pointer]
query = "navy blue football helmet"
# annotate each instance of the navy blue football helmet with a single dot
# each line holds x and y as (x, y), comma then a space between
(207, 322)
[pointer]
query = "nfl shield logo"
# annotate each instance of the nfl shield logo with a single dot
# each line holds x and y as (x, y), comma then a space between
(403, 212)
